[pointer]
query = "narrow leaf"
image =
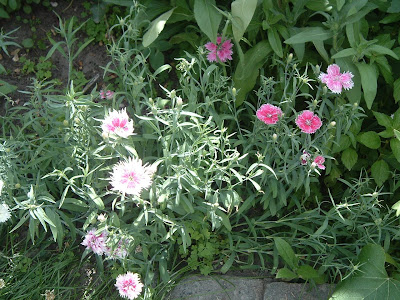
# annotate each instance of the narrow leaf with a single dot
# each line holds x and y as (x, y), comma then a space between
(368, 82)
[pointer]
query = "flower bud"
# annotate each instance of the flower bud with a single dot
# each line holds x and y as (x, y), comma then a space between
(234, 92)
(355, 105)
(317, 69)
(324, 90)
(105, 135)
(315, 103)
(290, 57)
(179, 102)
(17, 186)
(77, 121)
(65, 123)
(274, 137)
(333, 124)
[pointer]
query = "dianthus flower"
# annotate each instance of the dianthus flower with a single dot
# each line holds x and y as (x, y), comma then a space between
(336, 80)
(308, 122)
(223, 51)
(319, 161)
(131, 177)
(4, 213)
(269, 114)
(106, 95)
(96, 243)
(120, 251)
(129, 285)
(117, 123)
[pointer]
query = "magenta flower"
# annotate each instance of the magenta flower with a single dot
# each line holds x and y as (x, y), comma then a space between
(305, 157)
(106, 95)
(96, 243)
(131, 177)
(129, 285)
(308, 122)
(223, 51)
(336, 80)
(117, 123)
(269, 114)
(319, 161)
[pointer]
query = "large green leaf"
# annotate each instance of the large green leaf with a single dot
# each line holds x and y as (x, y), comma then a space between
(156, 27)
(6, 88)
(368, 82)
(370, 139)
(371, 282)
(310, 34)
(207, 17)
(395, 146)
(246, 73)
(380, 172)
(275, 41)
(286, 252)
(349, 158)
(383, 120)
(396, 90)
(242, 13)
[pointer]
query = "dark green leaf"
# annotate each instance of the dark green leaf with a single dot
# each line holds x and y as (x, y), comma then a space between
(286, 252)
(395, 146)
(368, 81)
(310, 34)
(370, 139)
(383, 119)
(396, 90)
(349, 158)
(275, 41)
(285, 273)
(242, 13)
(345, 53)
(208, 18)
(380, 172)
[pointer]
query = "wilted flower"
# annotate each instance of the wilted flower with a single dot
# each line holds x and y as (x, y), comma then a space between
(319, 161)
(97, 243)
(49, 295)
(304, 157)
(120, 251)
(131, 177)
(4, 213)
(269, 114)
(117, 123)
(223, 51)
(129, 285)
(106, 95)
(336, 80)
(2, 283)
(308, 122)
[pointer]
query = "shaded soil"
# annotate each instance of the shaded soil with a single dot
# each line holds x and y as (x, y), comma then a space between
(38, 25)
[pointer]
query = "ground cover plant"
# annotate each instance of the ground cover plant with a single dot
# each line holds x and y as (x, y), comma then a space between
(250, 135)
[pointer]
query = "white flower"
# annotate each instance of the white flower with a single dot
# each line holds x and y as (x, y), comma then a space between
(4, 213)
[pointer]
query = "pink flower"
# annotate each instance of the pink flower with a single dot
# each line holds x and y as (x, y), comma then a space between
(131, 177)
(97, 243)
(120, 250)
(308, 122)
(129, 285)
(336, 80)
(117, 123)
(223, 51)
(268, 114)
(319, 161)
(304, 157)
(106, 95)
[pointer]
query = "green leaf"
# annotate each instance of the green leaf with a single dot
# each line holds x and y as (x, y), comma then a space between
(228, 264)
(370, 139)
(310, 34)
(156, 27)
(395, 146)
(382, 50)
(349, 158)
(307, 272)
(6, 88)
(285, 273)
(319, 45)
(345, 53)
(396, 90)
(286, 252)
(95, 198)
(13, 4)
(383, 120)
(208, 18)
(380, 172)
(396, 133)
(246, 73)
(275, 41)
(4, 14)
(28, 43)
(371, 281)
(368, 82)
(396, 207)
(242, 13)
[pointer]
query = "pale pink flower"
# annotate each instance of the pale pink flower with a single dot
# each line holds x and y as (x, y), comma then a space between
(120, 251)
(129, 285)
(117, 123)
(305, 157)
(336, 80)
(308, 122)
(319, 161)
(223, 51)
(96, 242)
(131, 177)
(269, 114)
(4, 212)
(106, 95)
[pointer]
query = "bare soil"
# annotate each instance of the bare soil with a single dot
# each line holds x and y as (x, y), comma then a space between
(43, 20)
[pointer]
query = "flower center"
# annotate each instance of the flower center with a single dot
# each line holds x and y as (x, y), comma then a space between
(308, 122)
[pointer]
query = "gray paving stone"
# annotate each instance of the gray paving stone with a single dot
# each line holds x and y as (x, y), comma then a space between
(296, 291)
(218, 288)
